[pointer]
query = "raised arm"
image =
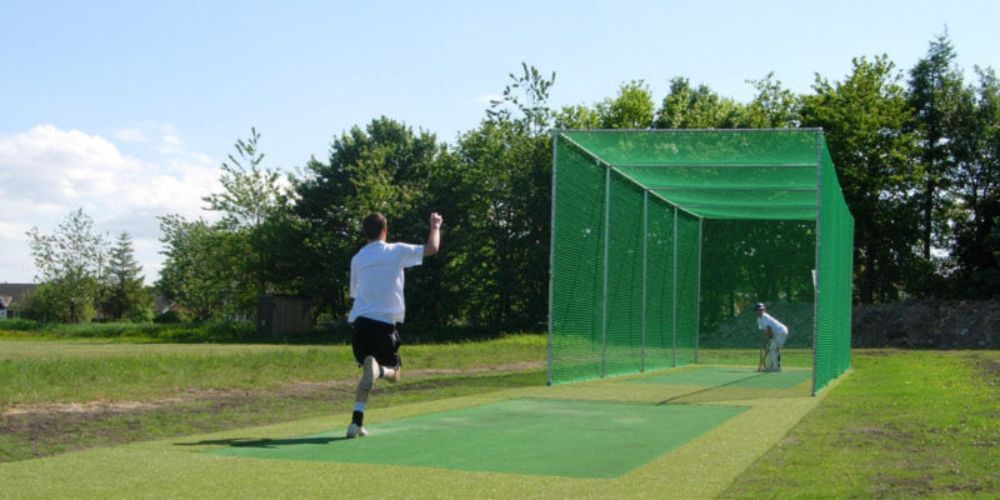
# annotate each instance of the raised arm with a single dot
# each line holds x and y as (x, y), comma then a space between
(434, 238)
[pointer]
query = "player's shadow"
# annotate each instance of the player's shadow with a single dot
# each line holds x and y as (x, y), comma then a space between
(264, 443)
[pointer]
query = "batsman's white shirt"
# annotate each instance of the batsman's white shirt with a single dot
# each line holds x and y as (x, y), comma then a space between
(377, 280)
(780, 330)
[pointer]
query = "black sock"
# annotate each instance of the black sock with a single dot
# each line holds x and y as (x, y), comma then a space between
(358, 418)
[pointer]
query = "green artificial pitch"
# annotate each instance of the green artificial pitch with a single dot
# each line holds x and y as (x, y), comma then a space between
(588, 439)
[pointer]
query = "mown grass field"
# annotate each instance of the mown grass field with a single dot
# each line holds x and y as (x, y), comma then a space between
(903, 424)
(45, 371)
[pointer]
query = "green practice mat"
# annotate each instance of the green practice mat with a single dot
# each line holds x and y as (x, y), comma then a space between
(730, 377)
(591, 439)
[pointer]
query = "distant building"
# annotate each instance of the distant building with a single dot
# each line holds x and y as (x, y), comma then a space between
(279, 315)
(12, 296)
(162, 304)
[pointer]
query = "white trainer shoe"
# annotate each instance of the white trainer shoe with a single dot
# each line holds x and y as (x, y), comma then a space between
(355, 430)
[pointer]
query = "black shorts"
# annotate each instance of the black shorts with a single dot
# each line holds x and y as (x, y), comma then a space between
(375, 338)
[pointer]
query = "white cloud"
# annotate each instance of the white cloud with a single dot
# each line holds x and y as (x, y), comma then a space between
(170, 137)
(47, 172)
(131, 135)
(16, 265)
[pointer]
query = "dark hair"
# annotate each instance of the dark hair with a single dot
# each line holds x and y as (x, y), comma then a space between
(373, 225)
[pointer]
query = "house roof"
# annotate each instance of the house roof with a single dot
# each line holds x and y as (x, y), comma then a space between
(162, 304)
(15, 292)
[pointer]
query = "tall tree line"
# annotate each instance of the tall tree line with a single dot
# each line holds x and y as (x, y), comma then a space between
(917, 154)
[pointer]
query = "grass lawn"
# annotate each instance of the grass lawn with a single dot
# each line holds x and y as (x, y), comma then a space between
(60, 396)
(902, 424)
(47, 371)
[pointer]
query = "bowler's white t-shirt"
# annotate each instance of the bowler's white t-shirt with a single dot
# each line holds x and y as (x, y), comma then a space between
(377, 280)
(780, 330)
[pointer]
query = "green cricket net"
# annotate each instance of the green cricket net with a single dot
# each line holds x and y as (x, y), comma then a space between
(662, 240)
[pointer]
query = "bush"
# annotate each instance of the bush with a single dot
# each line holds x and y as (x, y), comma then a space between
(209, 331)
(21, 325)
(60, 301)
(140, 314)
(172, 317)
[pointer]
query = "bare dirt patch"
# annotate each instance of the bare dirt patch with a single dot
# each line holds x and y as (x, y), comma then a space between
(302, 388)
(510, 367)
(895, 487)
(990, 369)
(880, 436)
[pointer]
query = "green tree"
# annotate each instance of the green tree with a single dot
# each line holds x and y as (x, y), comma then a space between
(124, 295)
(865, 122)
(71, 263)
(935, 89)
(203, 270)
(251, 192)
(526, 95)
(502, 224)
(384, 167)
(687, 107)
(502, 185)
(52, 301)
(632, 108)
(773, 106)
(975, 179)
(251, 195)
(577, 117)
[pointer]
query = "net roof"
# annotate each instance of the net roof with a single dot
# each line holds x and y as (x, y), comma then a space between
(717, 174)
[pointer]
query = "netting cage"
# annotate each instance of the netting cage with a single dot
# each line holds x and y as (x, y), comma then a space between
(662, 240)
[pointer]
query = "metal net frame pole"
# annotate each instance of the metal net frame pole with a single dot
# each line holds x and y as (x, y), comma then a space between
(552, 258)
(697, 315)
(645, 258)
(673, 349)
(607, 232)
(819, 281)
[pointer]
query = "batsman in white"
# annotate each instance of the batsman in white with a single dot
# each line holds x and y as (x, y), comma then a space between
(775, 333)
(377, 289)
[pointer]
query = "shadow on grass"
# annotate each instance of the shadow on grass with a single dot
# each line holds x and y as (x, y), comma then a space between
(263, 443)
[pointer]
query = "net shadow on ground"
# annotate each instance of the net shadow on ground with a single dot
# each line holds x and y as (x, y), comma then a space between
(694, 384)
(729, 383)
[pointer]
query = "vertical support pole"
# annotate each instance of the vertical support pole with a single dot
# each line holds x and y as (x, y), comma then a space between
(816, 289)
(607, 230)
(645, 238)
(552, 259)
(673, 350)
(697, 324)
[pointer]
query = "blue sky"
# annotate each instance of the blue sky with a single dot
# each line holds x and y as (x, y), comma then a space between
(127, 108)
